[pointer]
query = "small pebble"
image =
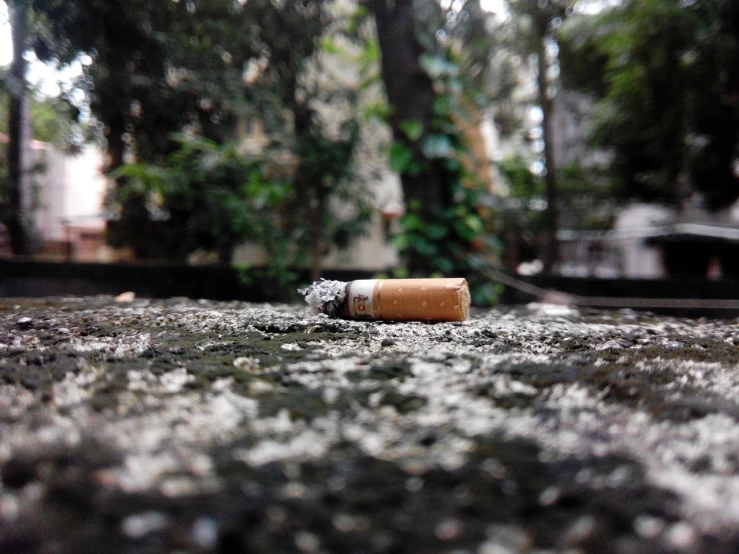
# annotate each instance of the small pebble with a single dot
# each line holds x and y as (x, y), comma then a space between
(140, 525)
(549, 496)
(647, 526)
(126, 297)
(205, 533)
(307, 542)
(680, 536)
(582, 529)
(448, 529)
(24, 322)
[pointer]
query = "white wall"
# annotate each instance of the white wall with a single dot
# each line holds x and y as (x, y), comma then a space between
(640, 260)
(72, 189)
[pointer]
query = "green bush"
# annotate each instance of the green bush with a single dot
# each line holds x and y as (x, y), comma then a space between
(207, 195)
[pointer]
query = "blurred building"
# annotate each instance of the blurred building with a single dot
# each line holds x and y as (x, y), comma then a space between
(622, 251)
(571, 120)
(650, 241)
(645, 240)
(618, 248)
(69, 194)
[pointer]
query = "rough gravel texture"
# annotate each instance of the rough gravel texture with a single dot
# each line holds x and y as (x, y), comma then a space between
(194, 426)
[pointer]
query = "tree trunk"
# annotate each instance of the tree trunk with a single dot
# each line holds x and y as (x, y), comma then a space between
(411, 96)
(511, 247)
(226, 254)
(731, 20)
(116, 145)
(551, 245)
(20, 195)
(133, 208)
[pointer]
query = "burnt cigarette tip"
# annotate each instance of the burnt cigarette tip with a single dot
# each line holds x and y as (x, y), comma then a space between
(326, 296)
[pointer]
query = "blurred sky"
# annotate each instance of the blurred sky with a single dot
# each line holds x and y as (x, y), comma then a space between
(6, 47)
(47, 77)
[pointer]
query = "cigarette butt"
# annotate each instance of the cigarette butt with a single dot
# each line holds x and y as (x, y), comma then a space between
(393, 299)
(409, 299)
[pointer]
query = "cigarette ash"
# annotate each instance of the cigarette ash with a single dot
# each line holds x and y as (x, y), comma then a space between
(326, 296)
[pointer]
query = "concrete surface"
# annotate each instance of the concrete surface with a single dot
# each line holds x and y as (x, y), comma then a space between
(197, 426)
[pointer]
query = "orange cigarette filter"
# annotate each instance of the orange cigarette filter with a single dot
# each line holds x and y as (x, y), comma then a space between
(392, 299)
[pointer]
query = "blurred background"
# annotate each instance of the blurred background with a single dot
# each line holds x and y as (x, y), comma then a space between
(262, 143)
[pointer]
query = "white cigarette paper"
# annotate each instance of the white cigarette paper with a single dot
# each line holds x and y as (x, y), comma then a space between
(392, 299)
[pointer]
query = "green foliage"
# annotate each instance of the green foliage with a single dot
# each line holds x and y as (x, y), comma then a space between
(401, 159)
(520, 213)
(292, 98)
(451, 239)
(52, 120)
(412, 128)
(379, 110)
(521, 182)
(586, 202)
(453, 242)
(46, 122)
(210, 196)
(664, 74)
(157, 67)
(163, 68)
(444, 230)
